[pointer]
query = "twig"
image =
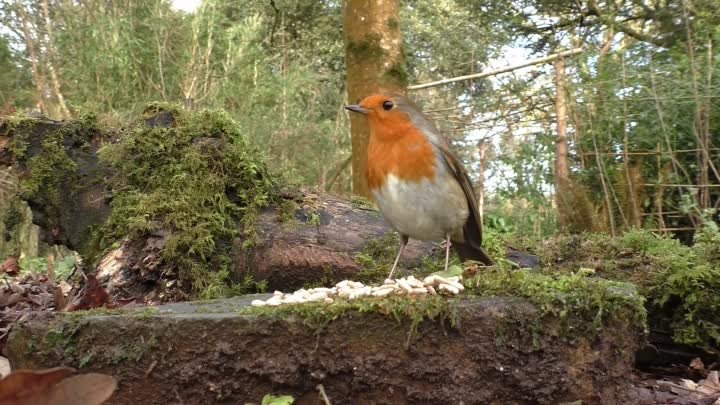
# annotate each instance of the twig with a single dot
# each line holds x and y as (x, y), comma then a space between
(150, 368)
(494, 72)
(324, 397)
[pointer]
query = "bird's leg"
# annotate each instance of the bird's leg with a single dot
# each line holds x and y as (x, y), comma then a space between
(403, 242)
(447, 251)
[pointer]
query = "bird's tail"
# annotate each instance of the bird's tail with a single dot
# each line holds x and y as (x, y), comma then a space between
(467, 251)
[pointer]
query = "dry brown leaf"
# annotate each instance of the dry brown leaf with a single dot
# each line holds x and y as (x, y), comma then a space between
(697, 364)
(10, 266)
(93, 295)
(84, 389)
(23, 383)
(54, 387)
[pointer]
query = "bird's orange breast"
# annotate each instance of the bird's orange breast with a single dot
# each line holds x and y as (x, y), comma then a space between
(400, 149)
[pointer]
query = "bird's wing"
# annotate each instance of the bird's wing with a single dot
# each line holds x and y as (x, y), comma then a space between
(473, 229)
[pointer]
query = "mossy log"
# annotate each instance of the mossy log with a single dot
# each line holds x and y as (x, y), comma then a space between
(304, 238)
(497, 351)
(297, 244)
(62, 178)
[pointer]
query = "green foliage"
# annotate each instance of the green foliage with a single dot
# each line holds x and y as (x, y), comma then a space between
(196, 180)
(15, 78)
(39, 265)
(495, 242)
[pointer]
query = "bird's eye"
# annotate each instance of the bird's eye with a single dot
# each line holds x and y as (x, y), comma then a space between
(388, 105)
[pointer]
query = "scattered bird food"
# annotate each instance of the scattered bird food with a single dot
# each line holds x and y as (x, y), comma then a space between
(350, 290)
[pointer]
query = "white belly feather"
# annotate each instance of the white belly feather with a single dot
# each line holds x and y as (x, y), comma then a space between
(424, 210)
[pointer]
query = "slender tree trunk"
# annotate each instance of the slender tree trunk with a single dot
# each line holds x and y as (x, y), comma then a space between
(375, 63)
(482, 150)
(30, 44)
(634, 217)
(562, 166)
(50, 46)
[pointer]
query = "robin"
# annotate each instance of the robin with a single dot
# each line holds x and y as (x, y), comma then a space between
(421, 188)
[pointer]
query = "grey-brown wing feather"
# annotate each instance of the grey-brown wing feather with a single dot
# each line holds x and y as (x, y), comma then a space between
(472, 231)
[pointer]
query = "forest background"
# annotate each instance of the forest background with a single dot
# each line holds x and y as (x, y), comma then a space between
(624, 134)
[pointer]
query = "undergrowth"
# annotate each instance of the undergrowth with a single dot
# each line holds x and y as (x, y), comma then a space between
(681, 283)
(198, 179)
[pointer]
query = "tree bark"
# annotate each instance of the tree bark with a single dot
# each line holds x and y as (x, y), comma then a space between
(562, 166)
(375, 63)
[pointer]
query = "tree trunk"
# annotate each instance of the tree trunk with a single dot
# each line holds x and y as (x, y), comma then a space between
(562, 167)
(482, 149)
(375, 63)
(30, 44)
(64, 111)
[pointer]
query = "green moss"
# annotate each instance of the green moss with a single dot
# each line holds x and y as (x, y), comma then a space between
(134, 350)
(85, 361)
(199, 180)
(393, 24)
(574, 299)
(286, 211)
(377, 258)
(681, 283)
(327, 279)
(580, 305)
(367, 48)
(48, 174)
(397, 73)
(62, 337)
(18, 128)
(12, 216)
(361, 202)
(495, 243)
(415, 310)
(70, 331)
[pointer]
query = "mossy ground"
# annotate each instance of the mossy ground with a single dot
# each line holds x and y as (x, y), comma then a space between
(681, 283)
(70, 331)
(413, 309)
(583, 305)
(200, 180)
(585, 281)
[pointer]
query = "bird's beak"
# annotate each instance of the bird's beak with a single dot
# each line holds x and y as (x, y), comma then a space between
(357, 108)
